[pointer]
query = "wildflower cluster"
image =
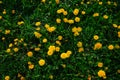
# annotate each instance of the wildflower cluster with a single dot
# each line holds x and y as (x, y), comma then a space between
(59, 40)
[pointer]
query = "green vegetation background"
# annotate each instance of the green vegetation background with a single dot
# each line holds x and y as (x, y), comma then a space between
(79, 65)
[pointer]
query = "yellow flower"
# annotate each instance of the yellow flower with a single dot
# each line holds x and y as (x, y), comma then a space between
(60, 10)
(100, 64)
(65, 20)
(74, 29)
(47, 26)
(118, 32)
(37, 35)
(51, 76)
(106, 68)
(57, 1)
(82, 2)
(83, 12)
(29, 62)
(79, 44)
(63, 65)
(0, 17)
(51, 48)
(68, 53)
(63, 56)
(29, 54)
(21, 39)
(10, 45)
(51, 29)
(13, 11)
(76, 34)
(43, 1)
(76, 11)
(119, 27)
(115, 4)
(25, 44)
(3, 38)
(95, 14)
(16, 39)
(30, 66)
(77, 19)
(7, 31)
(58, 20)
(57, 49)
(19, 75)
(89, 77)
(96, 37)
(7, 77)
(41, 62)
(15, 49)
(70, 21)
(118, 36)
(101, 73)
(20, 22)
(22, 78)
(108, 2)
(4, 11)
(38, 28)
(60, 37)
(88, 2)
(65, 13)
(58, 42)
(37, 49)
(118, 71)
(39, 45)
(100, 3)
(1, 2)
(105, 16)
(8, 50)
(79, 29)
(50, 52)
(44, 40)
(37, 24)
(98, 45)
(15, 43)
(104, 77)
(115, 25)
(111, 47)
(81, 49)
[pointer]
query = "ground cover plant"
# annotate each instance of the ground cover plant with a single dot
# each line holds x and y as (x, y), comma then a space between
(59, 40)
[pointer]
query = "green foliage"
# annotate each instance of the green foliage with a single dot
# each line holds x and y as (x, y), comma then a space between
(19, 30)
